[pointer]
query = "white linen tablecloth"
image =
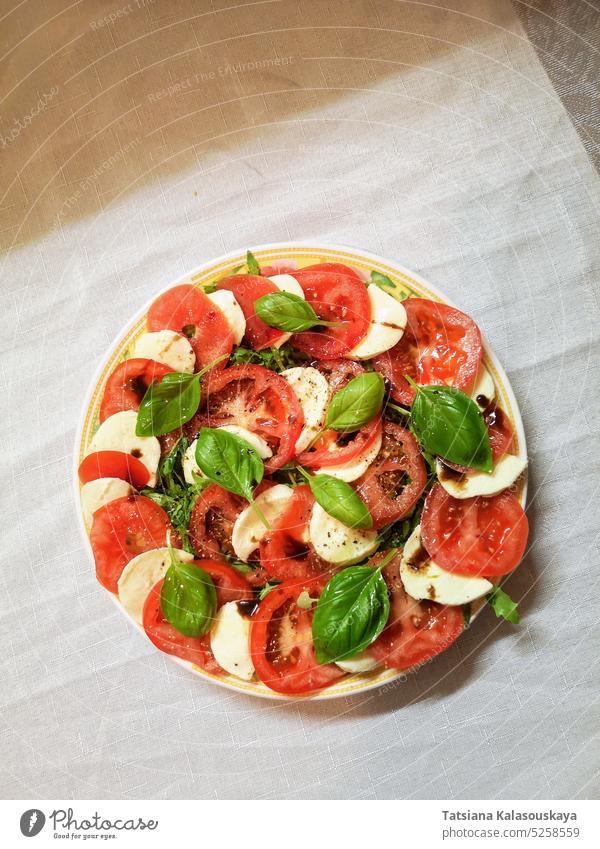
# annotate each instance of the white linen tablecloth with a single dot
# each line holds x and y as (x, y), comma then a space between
(139, 139)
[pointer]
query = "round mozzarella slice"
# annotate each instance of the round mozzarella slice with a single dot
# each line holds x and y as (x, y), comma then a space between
(388, 320)
(248, 530)
(167, 347)
(423, 579)
(286, 283)
(230, 641)
(232, 311)
(469, 484)
(337, 543)
(362, 662)
(117, 433)
(312, 390)
(484, 391)
(141, 574)
(257, 442)
(95, 494)
(352, 470)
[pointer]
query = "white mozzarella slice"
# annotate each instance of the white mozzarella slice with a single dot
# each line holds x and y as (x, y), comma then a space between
(232, 311)
(388, 320)
(424, 579)
(469, 484)
(483, 388)
(352, 470)
(141, 574)
(312, 390)
(189, 464)
(253, 439)
(167, 347)
(248, 530)
(362, 662)
(96, 494)
(230, 641)
(286, 283)
(117, 433)
(337, 543)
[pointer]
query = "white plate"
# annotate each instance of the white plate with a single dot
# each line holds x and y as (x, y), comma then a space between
(300, 254)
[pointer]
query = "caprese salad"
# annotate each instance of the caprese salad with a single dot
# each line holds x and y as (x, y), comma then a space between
(298, 476)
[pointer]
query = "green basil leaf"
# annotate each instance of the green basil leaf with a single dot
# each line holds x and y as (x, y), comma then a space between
(251, 263)
(188, 599)
(382, 280)
(169, 404)
(357, 403)
(503, 605)
(351, 613)
(288, 312)
(229, 461)
(448, 423)
(342, 502)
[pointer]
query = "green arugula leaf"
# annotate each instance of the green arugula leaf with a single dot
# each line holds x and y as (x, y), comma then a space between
(267, 589)
(357, 403)
(382, 280)
(288, 312)
(503, 605)
(252, 264)
(342, 502)
(448, 423)
(188, 598)
(275, 359)
(351, 613)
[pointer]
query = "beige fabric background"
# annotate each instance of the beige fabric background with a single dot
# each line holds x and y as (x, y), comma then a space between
(138, 140)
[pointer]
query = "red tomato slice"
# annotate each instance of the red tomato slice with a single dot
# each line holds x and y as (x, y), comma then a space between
(124, 528)
(441, 346)
(281, 642)
(339, 372)
(230, 585)
(334, 448)
(166, 638)
(474, 536)
(127, 385)
(113, 464)
(278, 268)
(417, 630)
(247, 288)
(336, 293)
(284, 551)
(188, 310)
(395, 480)
(261, 401)
(211, 522)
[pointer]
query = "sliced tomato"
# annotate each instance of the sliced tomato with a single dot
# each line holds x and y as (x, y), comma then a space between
(334, 448)
(247, 288)
(285, 552)
(230, 585)
(277, 268)
(128, 383)
(124, 528)
(336, 293)
(417, 630)
(441, 346)
(166, 638)
(113, 464)
(211, 522)
(474, 536)
(395, 480)
(281, 642)
(189, 311)
(261, 401)
(339, 372)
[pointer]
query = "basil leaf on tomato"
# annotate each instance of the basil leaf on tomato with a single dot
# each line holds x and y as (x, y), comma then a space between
(229, 460)
(357, 403)
(288, 312)
(503, 606)
(351, 613)
(188, 599)
(251, 263)
(342, 502)
(168, 404)
(449, 423)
